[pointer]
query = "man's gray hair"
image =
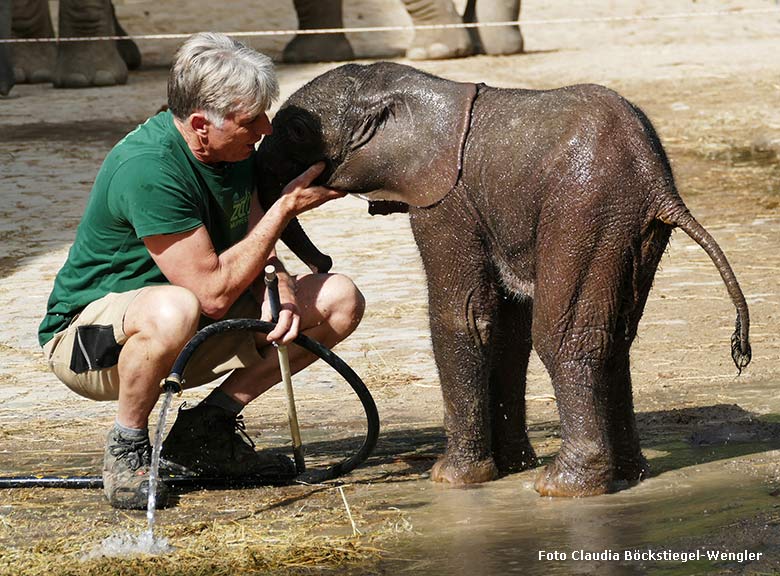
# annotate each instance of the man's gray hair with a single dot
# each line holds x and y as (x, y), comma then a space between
(219, 76)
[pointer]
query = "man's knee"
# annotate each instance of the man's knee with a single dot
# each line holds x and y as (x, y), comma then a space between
(168, 314)
(345, 304)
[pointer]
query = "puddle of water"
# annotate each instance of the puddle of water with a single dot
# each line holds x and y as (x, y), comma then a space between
(506, 528)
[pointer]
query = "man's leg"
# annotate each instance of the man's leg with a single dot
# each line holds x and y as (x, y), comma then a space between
(158, 323)
(119, 348)
(206, 439)
(330, 306)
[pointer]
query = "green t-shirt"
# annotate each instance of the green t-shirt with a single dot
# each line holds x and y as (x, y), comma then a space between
(149, 184)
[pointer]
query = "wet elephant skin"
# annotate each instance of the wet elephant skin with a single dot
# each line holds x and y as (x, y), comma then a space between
(540, 217)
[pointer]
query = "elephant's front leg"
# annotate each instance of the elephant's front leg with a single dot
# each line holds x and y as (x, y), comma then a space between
(463, 302)
(314, 14)
(82, 64)
(32, 62)
(463, 317)
(6, 68)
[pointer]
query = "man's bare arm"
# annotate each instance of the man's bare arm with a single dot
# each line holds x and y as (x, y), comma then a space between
(188, 259)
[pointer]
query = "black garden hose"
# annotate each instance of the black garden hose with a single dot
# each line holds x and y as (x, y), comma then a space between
(173, 382)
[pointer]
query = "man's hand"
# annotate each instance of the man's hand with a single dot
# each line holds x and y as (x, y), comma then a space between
(299, 196)
(289, 318)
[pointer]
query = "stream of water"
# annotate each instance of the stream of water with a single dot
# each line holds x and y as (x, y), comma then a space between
(154, 468)
(125, 543)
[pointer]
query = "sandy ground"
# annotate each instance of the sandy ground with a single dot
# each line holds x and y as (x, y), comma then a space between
(710, 85)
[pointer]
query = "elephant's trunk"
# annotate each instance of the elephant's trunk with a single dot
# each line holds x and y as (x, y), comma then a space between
(296, 240)
(740, 345)
(269, 190)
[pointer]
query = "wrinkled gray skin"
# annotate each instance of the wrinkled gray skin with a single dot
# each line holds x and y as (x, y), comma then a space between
(67, 64)
(540, 217)
(6, 70)
(426, 45)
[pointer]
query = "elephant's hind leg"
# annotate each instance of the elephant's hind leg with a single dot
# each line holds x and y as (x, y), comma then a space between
(580, 286)
(512, 450)
(630, 465)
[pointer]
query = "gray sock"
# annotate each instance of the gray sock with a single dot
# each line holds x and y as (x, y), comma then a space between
(219, 398)
(131, 433)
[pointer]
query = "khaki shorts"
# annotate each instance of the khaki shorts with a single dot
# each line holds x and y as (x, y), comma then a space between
(84, 356)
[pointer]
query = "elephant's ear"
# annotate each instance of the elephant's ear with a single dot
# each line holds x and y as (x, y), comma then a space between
(407, 146)
(372, 118)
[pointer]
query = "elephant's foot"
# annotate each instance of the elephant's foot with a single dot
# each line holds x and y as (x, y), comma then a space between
(127, 48)
(34, 63)
(501, 40)
(577, 472)
(457, 472)
(6, 78)
(80, 65)
(318, 48)
(515, 458)
(496, 40)
(437, 44)
(440, 44)
(631, 470)
(130, 54)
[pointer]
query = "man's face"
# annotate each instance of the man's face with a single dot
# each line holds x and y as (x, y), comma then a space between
(235, 140)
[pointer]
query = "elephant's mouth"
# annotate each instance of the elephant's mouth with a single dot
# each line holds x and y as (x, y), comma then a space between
(384, 207)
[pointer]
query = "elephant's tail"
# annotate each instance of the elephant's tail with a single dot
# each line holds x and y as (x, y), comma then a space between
(740, 344)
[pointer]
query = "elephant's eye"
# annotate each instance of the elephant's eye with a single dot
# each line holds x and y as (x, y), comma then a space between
(297, 131)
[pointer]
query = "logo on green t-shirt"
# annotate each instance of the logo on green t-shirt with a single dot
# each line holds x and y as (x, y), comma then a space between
(240, 216)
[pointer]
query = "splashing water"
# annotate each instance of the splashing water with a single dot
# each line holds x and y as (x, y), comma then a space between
(126, 544)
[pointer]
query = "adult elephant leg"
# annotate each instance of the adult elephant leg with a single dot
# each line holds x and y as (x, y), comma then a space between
(314, 14)
(439, 43)
(82, 64)
(577, 300)
(128, 50)
(6, 68)
(512, 450)
(495, 39)
(32, 62)
(463, 303)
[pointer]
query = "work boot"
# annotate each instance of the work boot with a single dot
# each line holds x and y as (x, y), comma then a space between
(126, 472)
(210, 441)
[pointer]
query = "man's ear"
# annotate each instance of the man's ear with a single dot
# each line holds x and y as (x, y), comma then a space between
(199, 123)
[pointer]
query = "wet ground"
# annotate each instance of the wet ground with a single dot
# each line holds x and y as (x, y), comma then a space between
(710, 85)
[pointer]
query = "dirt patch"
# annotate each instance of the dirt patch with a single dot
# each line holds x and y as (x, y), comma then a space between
(709, 84)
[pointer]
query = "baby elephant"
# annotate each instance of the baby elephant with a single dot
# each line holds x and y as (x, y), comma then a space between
(541, 217)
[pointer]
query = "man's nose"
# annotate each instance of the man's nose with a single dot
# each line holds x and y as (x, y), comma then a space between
(264, 127)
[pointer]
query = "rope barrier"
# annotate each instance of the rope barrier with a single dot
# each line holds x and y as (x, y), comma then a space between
(524, 23)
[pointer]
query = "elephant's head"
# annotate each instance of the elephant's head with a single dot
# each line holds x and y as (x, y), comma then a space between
(387, 132)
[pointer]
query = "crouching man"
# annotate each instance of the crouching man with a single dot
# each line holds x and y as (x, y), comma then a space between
(173, 238)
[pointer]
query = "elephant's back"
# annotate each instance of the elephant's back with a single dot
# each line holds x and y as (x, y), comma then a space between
(542, 155)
